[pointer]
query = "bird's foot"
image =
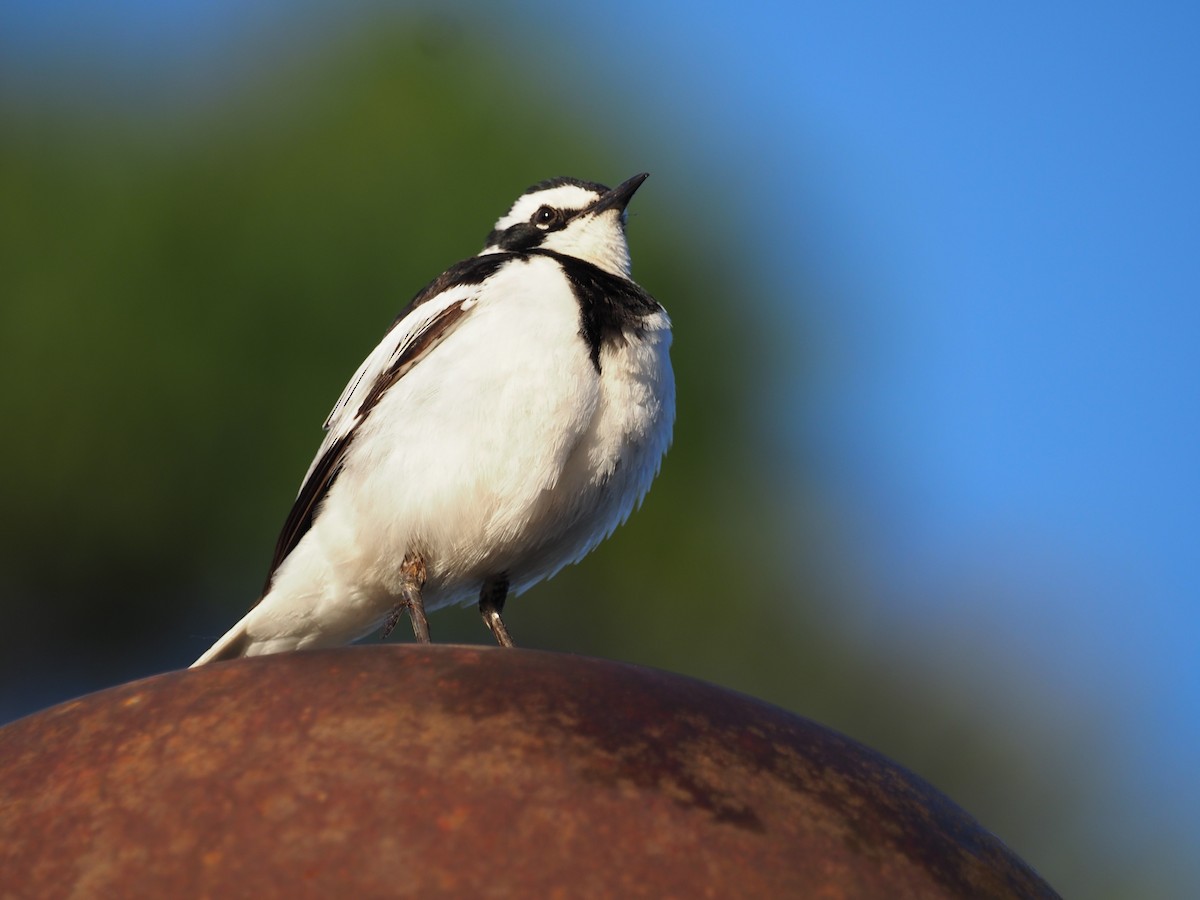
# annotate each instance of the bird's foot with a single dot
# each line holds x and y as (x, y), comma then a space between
(413, 570)
(491, 604)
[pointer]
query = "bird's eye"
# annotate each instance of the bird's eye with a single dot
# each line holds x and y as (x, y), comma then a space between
(545, 217)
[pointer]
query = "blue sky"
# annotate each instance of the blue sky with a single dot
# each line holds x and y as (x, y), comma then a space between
(1003, 201)
(1006, 202)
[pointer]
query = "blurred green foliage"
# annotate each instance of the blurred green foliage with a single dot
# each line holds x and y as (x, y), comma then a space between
(184, 294)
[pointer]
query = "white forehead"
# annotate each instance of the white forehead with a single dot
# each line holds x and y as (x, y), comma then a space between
(565, 196)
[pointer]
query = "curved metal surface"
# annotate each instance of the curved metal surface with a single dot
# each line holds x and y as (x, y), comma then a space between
(466, 771)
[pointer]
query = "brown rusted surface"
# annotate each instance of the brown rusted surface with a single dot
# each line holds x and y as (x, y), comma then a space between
(463, 772)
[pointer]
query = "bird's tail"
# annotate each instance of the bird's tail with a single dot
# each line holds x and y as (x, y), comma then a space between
(232, 645)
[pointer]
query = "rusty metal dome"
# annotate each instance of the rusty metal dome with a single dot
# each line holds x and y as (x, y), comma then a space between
(461, 772)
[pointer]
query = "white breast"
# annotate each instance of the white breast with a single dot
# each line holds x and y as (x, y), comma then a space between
(619, 455)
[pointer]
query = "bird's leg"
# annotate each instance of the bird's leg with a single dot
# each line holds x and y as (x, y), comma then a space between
(413, 570)
(491, 604)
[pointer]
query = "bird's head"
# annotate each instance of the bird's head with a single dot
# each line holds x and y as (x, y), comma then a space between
(572, 217)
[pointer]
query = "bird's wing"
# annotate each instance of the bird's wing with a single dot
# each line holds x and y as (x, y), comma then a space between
(424, 323)
(406, 342)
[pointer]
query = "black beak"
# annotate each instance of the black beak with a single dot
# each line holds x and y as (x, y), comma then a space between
(619, 197)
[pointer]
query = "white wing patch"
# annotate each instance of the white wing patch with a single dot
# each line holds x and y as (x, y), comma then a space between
(404, 337)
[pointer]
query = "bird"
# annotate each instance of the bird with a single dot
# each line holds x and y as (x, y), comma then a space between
(513, 416)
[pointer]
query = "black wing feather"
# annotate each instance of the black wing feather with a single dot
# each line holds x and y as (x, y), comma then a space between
(312, 492)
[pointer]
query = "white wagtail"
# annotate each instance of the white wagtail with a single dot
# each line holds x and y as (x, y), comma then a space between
(511, 418)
